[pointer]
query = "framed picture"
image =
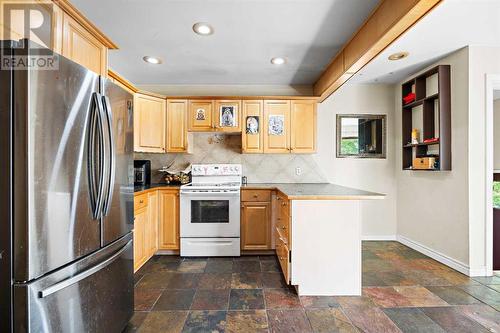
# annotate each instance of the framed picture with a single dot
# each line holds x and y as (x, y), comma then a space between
(200, 114)
(227, 116)
(276, 124)
(252, 125)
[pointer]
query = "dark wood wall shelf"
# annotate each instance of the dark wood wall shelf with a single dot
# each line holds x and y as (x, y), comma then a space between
(436, 119)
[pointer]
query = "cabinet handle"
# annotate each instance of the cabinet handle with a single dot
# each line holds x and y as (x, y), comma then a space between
(283, 227)
(278, 218)
(141, 201)
(255, 196)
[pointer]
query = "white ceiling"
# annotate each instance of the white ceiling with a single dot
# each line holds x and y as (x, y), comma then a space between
(248, 33)
(449, 27)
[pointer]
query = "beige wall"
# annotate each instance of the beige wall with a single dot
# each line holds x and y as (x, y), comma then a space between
(433, 207)
(496, 134)
(378, 217)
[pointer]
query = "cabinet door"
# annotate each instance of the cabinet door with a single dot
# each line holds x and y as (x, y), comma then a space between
(303, 126)
(152, 225)
(252, 135)
(255, 226)
(201, 116)
(276, 126)
(149, 124)
(227, 116)
(82, 47)
(140, 221)
(177, 141)
(169, 220)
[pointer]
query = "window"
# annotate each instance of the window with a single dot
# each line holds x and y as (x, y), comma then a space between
(361, 136)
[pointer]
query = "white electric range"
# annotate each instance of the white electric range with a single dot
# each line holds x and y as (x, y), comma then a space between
(210, 211)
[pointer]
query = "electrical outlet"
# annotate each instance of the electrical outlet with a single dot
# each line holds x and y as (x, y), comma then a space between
(298, 171)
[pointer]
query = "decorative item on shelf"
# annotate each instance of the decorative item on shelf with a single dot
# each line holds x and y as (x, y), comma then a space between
(414, 136)
(425, 163)
(431, 140)
(409, 98)
(177, 175)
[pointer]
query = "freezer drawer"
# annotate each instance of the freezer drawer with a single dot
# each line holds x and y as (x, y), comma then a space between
(98, 298)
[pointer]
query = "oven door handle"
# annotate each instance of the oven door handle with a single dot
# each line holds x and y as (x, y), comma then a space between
(217, 194)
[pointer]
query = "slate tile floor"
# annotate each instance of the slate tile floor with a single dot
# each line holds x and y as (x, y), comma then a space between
(403, 291)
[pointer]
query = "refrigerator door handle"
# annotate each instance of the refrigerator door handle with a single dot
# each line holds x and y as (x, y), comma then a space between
(91, 156)
(102, 157)
(112, 162)
(74, 279)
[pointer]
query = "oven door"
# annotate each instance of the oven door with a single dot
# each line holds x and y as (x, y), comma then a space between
(207, 214)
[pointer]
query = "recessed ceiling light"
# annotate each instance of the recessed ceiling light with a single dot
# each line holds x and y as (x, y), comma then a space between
(278, 61)
(152, 60)
(398, 56)
(202, 28)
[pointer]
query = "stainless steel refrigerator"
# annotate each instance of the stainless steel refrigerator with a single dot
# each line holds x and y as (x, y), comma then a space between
(66, 181)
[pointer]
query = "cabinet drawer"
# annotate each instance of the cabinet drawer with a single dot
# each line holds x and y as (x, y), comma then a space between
(140, 201)
(256, 195)
(283, 257)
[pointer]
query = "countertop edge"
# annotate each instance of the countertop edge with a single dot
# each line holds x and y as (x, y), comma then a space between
(367, 196)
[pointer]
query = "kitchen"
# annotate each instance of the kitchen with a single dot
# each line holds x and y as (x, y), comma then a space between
(259, 190)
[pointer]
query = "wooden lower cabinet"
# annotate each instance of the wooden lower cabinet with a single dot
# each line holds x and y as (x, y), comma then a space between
(256, 221)
(169, 220)
(152, 225)
(140, 250)
(156, 223)
(255, 226)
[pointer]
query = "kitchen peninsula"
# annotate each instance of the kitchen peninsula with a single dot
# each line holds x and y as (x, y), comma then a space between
(314, 228)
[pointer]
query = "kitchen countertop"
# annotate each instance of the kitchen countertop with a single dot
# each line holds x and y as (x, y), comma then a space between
(295, 191)
(138, 189)
(316, 191)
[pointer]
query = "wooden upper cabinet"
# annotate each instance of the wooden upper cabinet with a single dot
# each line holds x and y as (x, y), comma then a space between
(256, 226)
(276, 126)
(201, 116)
(177, 117)
(227, 116)
(252, 141)
(82, 47)
(149, 123)
(169, 219)
(303, 126)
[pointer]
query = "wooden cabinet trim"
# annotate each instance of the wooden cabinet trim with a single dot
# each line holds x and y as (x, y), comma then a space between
(71, 10)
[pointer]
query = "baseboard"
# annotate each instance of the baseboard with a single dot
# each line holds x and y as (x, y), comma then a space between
(379, 238)
(442, 258)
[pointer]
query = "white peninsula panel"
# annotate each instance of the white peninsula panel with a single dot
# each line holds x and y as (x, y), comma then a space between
(326, 247)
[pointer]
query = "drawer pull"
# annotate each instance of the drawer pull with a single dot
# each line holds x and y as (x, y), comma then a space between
(141, 201)
(283, 227)
(255, 196)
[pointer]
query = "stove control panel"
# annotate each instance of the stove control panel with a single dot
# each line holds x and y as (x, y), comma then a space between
(216, 170)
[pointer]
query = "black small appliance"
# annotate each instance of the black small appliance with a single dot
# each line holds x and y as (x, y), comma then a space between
(142, 172)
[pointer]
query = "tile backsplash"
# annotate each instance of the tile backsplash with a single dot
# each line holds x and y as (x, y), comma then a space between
(224, 148)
